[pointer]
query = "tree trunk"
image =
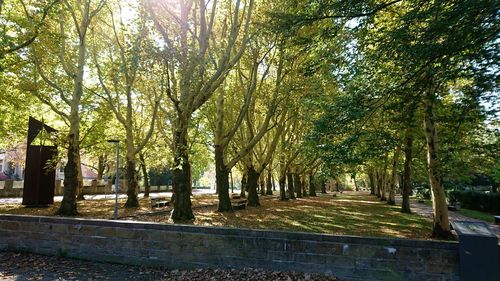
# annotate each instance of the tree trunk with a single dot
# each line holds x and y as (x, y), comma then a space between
(382, 187)
(304, 183)
(291, 192)
(269, 186)
(312, 187)
(262, 185)
(79, 194)
(72, 169)
(441, 224)
(394, 175)
(144, 169)
(371, 176)
(243, 185)
(353, 178)
(297, 184)
(181, 176)
(253, 178)
(68, 204)
(132, 201)
(378, 181)
(131, 173)
(101, 166)
(323, 187)
(407, 182)
(222, 181)
(282, 184)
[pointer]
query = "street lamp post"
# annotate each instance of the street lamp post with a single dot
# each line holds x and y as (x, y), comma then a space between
(117, 183)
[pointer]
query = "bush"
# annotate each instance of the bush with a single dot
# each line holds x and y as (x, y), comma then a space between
(474, 200)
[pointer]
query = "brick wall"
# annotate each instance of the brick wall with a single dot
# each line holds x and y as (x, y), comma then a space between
(182, 246)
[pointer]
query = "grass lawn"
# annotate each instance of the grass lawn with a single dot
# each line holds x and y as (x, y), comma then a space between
(487, 217)
(346, 214)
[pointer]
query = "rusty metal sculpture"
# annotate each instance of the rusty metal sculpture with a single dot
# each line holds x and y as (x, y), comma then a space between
(39, 178)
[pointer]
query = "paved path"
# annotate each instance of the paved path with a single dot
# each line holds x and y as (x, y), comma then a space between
(153, 194)
(426, 211)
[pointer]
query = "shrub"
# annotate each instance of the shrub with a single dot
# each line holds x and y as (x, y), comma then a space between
(474, 200)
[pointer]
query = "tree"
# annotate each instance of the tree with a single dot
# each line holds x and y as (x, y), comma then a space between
(125, 75)
(23, 23)
(197, 66)
(223, 164)
(72, 60)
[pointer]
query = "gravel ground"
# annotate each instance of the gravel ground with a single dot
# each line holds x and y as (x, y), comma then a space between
(23, 267)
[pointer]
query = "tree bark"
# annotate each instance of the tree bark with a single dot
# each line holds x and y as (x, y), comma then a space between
(407, 182)
(441, 224)
(371, 176)
(68, 204)
(262, 181)
(408, 151)
(269, 186)
(353, 178)
(132, 186)
(383, 183)
(147, 187)
(394, 175)
(101, 166)
(323, 187)
(80, 191)
(312, 187)
(291, 192)
(253, 178)
(222, 181)
(304, 184)
(378, 181)
(282, 184)
(181, 176)
(297, 184)
(243, 185)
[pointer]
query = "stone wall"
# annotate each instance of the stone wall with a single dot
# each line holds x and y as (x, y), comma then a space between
(11, 188)
(185, 247)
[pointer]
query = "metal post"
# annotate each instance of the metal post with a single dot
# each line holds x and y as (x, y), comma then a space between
(117, 185)
(117, 178)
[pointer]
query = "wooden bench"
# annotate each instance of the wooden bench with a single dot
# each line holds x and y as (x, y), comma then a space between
(159, 202)
(236, 196)
(239, 205)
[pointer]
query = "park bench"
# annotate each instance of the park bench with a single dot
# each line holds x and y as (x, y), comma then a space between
(236, 196)
(239, 205)
(454, 207)
(159, 202)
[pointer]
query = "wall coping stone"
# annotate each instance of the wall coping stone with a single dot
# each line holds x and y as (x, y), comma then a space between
(228, 231)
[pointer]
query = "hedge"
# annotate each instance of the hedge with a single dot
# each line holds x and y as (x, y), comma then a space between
(479, 201)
